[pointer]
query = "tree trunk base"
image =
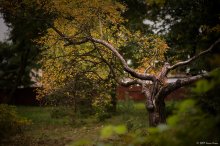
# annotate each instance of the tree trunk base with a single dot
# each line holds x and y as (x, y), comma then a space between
(157, 115)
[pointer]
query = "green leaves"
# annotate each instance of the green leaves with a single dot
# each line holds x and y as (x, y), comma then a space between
(10, 122)
(203, 86)
(107, 132)
(184, 108)
(121, 129)
(172, 120)
(186, 105)
(110, 130)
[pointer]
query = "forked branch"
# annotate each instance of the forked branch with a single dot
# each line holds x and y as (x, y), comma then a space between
(166, 90)
(182, 63)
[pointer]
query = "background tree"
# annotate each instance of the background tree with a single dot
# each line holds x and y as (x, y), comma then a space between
(188, 26)
(19, 55)
(70, 63)
(135, 14)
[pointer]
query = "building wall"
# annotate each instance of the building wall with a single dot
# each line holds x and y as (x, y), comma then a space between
(22, 96)
(134, 93)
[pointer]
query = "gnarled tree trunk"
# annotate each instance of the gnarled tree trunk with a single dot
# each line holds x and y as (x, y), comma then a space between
(157, 115)
(155, 105)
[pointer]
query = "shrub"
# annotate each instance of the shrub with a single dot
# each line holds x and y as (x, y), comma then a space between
(10, 122)
(101, 104)
(171, 107)
(126, 107)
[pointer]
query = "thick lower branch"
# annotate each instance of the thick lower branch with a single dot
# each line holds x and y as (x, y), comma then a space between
(166, 90)
(129, 83)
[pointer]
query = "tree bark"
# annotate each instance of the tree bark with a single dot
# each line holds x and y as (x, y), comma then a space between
(157, 115)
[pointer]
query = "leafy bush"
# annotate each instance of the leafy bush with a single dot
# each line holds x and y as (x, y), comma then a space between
(126, 107)
(110, 130)
(171, 107)
(188, 126)
(134, 114)
(81, 98)
(101, 104)
(10, 122)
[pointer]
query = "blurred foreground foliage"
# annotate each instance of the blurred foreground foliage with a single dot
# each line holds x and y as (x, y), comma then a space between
(194, 121)
(10, 122)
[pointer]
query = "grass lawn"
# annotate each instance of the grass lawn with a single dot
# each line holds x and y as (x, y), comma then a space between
(48, 131)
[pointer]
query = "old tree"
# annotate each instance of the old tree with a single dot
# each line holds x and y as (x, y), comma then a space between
(86, 39)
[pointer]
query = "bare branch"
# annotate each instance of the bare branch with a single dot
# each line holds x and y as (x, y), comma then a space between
(112, 71)
(124, 63)
(164, 71)
(147, 69)
(190, 80)
(69, 39)
(194, 57)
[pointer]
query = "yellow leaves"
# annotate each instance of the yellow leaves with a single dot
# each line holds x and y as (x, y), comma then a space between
(156, 48)
(99, 19)
(100, 103)
(86, 14)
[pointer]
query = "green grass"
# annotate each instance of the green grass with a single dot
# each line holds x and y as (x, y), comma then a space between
(46, 130)
(40, 115)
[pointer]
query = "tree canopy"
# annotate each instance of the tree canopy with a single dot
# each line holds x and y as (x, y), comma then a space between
(100, 20)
